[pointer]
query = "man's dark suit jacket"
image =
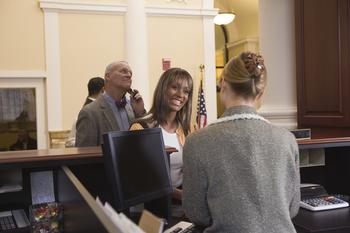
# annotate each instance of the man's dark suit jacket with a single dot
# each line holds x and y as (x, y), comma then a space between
(95, 119)
(88, 101)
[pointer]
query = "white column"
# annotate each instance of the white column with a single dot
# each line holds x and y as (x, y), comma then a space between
(209, 62)
(53, 84)
(136, 47)
(279, 100)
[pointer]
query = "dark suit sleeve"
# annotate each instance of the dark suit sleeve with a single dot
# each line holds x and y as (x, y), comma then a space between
(87, 130)
(195, 186)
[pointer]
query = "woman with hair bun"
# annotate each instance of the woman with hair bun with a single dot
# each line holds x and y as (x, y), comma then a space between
(241, 173)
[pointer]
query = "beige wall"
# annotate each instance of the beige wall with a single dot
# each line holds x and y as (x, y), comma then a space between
(87, 44)
(21, 35)
(279, 53)
(181, 40)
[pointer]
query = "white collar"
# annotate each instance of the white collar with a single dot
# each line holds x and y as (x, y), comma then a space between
(240, 116)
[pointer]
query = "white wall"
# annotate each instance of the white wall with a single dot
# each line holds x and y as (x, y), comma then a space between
(277, 44)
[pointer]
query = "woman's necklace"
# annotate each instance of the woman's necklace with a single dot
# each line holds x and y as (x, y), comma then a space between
(241, 116)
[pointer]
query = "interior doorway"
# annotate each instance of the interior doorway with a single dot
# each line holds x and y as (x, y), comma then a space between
(240, 35)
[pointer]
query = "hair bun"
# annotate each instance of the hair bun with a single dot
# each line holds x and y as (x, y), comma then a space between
(254, 64)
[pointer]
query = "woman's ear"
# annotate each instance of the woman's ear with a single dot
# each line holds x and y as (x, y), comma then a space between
(222, 85)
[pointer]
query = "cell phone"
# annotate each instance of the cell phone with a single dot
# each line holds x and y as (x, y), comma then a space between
(132, 92)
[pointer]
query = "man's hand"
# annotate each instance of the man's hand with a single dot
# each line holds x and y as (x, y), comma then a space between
(137, 103)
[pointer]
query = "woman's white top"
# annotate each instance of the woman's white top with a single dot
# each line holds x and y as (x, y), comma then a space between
(170, 139)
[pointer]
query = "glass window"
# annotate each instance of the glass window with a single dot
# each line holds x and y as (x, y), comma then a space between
(17, 119)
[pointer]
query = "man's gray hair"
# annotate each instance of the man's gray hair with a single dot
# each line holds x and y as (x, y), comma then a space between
(111, 65)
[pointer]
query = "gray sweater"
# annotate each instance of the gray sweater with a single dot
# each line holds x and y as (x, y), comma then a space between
(241, 176)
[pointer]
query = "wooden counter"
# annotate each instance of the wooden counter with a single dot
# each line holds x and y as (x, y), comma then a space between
(50, 157)
(323, 143)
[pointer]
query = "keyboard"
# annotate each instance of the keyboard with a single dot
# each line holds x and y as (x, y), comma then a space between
(183, 227)
(6, 221)
(14, 219)
(323, 203)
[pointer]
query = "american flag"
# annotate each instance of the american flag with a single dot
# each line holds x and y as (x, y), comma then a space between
(201, 109)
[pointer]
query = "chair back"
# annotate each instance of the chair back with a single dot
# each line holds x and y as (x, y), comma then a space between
(58, 138)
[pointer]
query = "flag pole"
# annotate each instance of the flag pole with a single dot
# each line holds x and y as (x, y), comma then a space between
(201, 68)
(201, 118)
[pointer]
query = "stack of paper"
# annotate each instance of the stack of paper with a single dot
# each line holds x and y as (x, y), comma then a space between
(148, 223)
(10, 188)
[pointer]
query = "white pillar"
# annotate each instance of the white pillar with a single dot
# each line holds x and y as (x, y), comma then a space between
(136, 47)
(209, 62)
(53, 83)
(279, 99)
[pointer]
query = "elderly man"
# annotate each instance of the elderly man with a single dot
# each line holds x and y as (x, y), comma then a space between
(111, 111)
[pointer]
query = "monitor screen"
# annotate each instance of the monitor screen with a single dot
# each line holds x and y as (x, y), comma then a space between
(137, 165)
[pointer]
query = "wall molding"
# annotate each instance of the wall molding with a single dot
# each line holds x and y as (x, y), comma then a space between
(286, 125)
(210, 70)
(82, 7)
(110, 8)
(284, 116)
(283, 112)
(53, 69)
(22, 74)
(243, 41)
(176, 11)
(209, 59)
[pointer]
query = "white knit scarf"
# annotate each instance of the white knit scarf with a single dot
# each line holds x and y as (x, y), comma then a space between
(241, 116)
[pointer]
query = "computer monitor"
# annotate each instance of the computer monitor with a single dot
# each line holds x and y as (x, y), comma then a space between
(137, 165)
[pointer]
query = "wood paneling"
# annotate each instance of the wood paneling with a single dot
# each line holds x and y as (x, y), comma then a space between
(322, 51)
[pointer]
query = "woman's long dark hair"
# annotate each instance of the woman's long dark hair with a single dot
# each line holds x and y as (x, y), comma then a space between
(160, 106)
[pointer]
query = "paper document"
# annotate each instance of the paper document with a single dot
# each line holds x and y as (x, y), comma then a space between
(151, 223)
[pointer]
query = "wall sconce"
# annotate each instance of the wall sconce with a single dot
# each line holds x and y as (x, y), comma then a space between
(224, 18)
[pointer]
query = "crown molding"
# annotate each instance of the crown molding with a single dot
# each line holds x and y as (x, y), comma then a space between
(22, 74)
(172, 11)
(108, 8)
(83, 7)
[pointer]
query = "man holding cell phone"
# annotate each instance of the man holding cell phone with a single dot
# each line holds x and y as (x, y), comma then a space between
(111, 111)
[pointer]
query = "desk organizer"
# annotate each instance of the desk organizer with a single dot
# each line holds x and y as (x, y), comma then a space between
(46, 218)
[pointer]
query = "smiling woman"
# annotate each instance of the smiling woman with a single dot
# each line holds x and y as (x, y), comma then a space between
(171, 111)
